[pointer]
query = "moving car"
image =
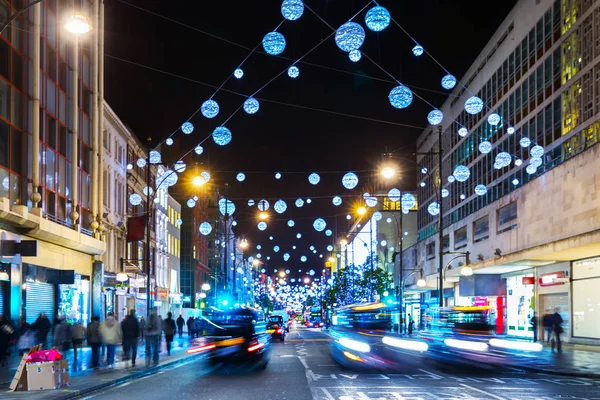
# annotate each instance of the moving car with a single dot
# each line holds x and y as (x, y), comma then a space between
(275, 326)
(362, 337)
(238, 335)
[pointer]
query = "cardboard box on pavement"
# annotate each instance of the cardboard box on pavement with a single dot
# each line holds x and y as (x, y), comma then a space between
(64, 370)
(19, 382)
(43, 376)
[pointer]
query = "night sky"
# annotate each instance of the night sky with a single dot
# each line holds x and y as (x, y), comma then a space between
(289, 138)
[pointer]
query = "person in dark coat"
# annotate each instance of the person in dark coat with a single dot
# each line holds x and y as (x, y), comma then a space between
(557, 330)
(547, 324)
(62, 335)
(534, 324)
(169, 329)
(7, 333)
(190, 326)
(92, 334)
(131, 333)
(42, 327)
(180, 323)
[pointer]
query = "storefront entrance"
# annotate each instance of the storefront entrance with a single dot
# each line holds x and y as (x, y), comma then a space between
(520, 305)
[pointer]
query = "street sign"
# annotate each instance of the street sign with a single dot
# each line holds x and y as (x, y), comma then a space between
(26, 248)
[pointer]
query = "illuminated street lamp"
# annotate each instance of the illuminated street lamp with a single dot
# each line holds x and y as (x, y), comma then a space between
(244, 244)
(331, 259)
(282, 274)
(78, 24)
(421, 282)
(466, 271)
(361, 210)
(307, 280)
(205, 286)
(255, 262)
(198, 181)
(343, 242)
(263, 216)
(388, 172)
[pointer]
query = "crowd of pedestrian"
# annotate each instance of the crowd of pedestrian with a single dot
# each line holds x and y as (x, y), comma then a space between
(106, 336)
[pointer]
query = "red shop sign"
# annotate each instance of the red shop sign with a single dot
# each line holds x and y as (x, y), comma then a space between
(553, 278)
(528, 280)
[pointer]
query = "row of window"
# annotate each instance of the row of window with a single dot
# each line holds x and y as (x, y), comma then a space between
(574, 106)
(506, 220)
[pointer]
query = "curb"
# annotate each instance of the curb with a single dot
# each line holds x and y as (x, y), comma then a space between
(589, 375)
(139, 374)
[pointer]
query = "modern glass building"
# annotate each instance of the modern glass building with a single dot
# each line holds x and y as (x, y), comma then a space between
(534, 221)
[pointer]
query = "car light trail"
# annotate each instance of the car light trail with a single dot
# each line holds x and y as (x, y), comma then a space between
(466, 345)
(405, 344)
(355, 345)
(516, 345)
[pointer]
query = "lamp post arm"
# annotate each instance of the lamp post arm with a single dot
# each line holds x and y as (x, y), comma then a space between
(17, 14)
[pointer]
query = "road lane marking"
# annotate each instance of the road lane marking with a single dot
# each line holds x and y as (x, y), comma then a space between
(482, 392)
(303, 361)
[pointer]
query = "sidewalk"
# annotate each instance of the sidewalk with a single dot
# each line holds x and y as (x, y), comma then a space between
(85, 379)
(571, 362)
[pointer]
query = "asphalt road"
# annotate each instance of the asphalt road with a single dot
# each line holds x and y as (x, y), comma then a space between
(301, 368)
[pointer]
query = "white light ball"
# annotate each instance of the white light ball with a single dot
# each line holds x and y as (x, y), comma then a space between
(480, 190)
(238, 73)
(473, 105)
(418, 50)
(394, 194)
(293, 72)
(433, 208)
(209, 109)
(435, 117)
(377, 19)
(199, 149)
(188, 127)
(274, 43)
(448, 82)
(292, 9)
(251, 105)
(350, 36)
(350, 180)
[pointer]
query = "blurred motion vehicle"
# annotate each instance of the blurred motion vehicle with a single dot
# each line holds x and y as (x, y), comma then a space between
(237, 335)
(313, 318)
(466, 334)
(361, 337)
(275, 327)
(285, 317)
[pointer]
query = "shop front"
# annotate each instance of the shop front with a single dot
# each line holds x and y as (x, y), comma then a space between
(586, 300)
(485, 290)
(553, 291)
(74, 300)
(520, 304)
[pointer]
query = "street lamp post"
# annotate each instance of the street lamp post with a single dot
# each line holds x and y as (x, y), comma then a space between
(149, 299)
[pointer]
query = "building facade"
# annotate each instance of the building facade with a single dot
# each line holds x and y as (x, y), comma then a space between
(533, 234)
(49, 159)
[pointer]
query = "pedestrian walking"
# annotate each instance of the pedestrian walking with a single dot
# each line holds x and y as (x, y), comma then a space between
(557, 330)
(153, 332)
(62, 335)
(169, 329)
(142, 327)
(7, 333)
(180, 323)
(77, 336)
(131, 333)
(110, 332)
(92, 334)
(547, 324)
(26, 339)
(411, 324)
(534, 324)
(42, 327)
(190, 323)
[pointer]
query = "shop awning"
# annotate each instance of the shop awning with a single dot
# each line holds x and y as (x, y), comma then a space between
(576, 247)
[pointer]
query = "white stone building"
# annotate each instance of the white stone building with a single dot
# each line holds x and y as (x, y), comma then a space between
(534, 236)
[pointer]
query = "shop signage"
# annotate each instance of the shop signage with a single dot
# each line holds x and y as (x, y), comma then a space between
(553, 278)
(528, 280)
(163, 293)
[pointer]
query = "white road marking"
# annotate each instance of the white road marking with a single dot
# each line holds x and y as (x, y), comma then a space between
(303, 361)
(483, 392)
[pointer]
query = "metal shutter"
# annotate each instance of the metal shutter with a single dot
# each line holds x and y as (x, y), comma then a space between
(40, 299)
(2, 310)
